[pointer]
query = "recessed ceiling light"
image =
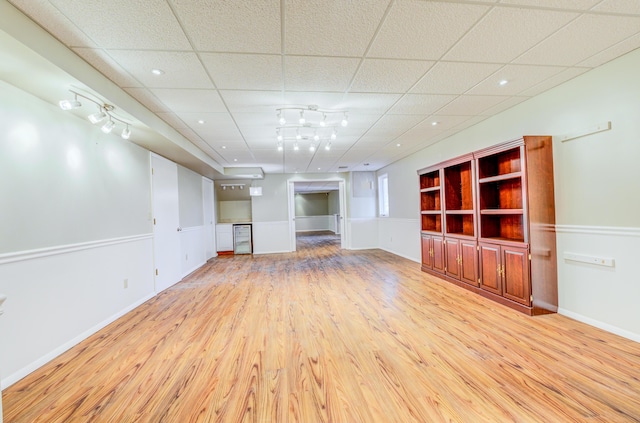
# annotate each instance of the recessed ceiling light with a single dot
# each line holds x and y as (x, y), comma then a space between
(235, 160)
(398, 145)
(201, 122)
(434, 123)
(504, 82)
(157, 71)
(224, 146)
(319, 168)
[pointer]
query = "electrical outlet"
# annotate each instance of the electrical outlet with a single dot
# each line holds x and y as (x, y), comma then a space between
(126, 283)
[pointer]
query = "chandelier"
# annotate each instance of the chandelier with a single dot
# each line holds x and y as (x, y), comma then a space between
(309, 124)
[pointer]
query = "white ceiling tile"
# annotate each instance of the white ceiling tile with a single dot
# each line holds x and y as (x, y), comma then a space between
(196, 101)
(583, 38)
(147, 99)
(51, 19)
(100, 60)
(253, 101)
(181, 69)
(519, 77)
(423, 29)
(443, 122)
(554, 81)
(127, 24)
(390, 126)
(331, 27)
(555, 4)
(244, 71)
(303, 73)
(389, 76)
(612, 52)
(245, 26)
(469, 105)
(507, 104)
(421, 104)
(506, 32)
(453, 77)
(216, 126)
(368, 102)
(324, 100)
(619, 6)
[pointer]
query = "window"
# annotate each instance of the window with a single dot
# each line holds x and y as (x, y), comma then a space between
(383, 195)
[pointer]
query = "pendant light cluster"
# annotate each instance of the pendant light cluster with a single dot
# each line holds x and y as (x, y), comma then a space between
(309, 124)
(104, 114)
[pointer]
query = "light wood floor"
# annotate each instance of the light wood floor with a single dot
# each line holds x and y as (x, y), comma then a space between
(324, 335)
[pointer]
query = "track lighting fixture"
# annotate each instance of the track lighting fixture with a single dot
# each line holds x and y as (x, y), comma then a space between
(232, 186)
(105, 111)
(313, 124)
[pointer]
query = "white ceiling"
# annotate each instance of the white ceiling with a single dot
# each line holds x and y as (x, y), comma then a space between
(395, 65)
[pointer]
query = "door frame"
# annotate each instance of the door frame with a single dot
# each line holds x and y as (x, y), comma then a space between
(342, 200)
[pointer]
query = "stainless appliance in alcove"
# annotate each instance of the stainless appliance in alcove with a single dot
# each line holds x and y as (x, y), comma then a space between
(242, 239)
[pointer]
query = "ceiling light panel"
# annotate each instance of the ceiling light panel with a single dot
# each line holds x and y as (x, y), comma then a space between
(247, 26)
(341, 28)
(182, 69)
(505, 33)
(244, 71)
(410, 23)
(144, 25)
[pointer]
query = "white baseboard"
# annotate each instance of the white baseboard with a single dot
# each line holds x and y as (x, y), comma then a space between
(16, 376)
(401, 255)
(600, 325)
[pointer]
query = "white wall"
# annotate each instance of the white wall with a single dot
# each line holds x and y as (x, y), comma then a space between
(597, 181)
(74, 225)
(315, 223)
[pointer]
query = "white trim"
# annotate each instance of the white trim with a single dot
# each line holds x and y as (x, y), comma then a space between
(270, 252)
(598, 324)
(401, 255)
(69, 248)
(599, 230)
(13, 378)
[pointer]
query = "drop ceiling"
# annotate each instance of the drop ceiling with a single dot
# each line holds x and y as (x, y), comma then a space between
(410, 73)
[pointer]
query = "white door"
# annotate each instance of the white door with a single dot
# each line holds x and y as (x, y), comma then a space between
(209, 218)
(166, 222)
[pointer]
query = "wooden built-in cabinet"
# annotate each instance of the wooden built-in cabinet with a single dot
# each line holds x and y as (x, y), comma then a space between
(493, 211)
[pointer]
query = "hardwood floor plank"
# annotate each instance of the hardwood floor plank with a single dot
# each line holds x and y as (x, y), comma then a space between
(329, 335)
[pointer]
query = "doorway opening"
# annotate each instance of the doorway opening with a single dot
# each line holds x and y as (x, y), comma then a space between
(317, 207)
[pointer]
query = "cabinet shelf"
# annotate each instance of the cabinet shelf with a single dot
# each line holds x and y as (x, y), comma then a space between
(501, 211)
(498, 178)
(435, 212)
(470, 212)
(431, 189)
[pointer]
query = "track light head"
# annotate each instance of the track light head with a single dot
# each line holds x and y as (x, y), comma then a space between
(97, 117)
(281, 118)
(323, 122)
(345, 120)
(126, 133)
(108, 126)
(296, 147)
(312, 148)
(302, 119)
(70, 104)
(280, 147)
(334, 135)
(327, 146)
